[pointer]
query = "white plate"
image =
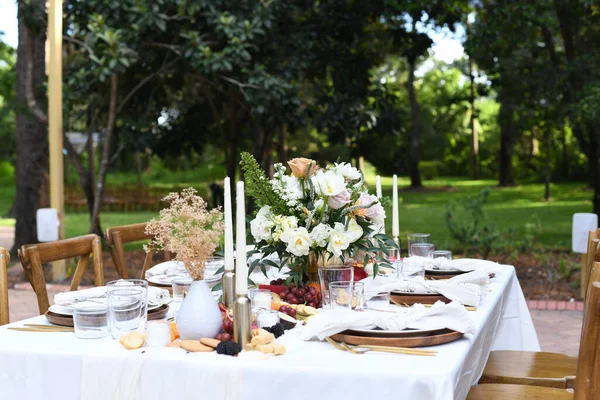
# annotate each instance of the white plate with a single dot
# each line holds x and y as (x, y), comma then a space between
(62, 310)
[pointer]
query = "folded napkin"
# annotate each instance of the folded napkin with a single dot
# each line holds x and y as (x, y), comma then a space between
(461, 264)
(167, 268)
(467, 289)
(156, 296)
(329, 322)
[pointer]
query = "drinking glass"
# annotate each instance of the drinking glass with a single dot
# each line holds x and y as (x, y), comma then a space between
(357, 290)
(417, 238)
(377, 300)
(447, 254)
(181, 287)
(341, 295)
(127, 306)
(267, 318)
(211, 266)
(333, 274)
(91, 322)
(393, 254)
(411, 272)
(261, 300)
(422, 250)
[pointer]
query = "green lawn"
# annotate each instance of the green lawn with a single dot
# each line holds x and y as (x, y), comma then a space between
(419, 211)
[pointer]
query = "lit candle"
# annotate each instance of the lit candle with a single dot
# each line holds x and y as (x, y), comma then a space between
(228, 227)
(395, 221)
(241, 268)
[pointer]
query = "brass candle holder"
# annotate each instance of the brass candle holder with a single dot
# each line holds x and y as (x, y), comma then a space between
(228, 288)
(242, 321)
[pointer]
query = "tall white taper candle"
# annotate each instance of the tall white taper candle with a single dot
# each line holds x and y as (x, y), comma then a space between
(229, 265)
(395, 221)
(378, 186)
(241, 268)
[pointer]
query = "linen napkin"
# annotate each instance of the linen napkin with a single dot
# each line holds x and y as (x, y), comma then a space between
(461, 264)
(166, 268)
(329, 322)
(467, 289)
(156, 296)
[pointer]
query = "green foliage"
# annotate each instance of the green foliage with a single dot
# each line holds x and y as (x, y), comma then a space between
(469, 225)
(429, 169)
(258, 186)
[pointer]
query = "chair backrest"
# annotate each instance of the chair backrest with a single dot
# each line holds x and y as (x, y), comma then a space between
(591, 256)
(116, 237)
(32, 257)
(4, 260)
(588, 371)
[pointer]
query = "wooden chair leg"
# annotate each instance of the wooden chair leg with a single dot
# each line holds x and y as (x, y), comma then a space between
(119, 259)
(98, 268)
(79, 270)
(39, 282)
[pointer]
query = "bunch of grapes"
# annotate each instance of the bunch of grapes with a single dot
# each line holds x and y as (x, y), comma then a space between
(279, 282)
(301, 295)
(227, 333)
(288, 310)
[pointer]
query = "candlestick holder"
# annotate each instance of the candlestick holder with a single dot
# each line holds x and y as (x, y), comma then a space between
(229, 288)
(242, 321)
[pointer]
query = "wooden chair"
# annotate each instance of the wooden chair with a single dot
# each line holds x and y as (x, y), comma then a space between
(587, 382)
(116, 237)
(538, 368)
(4, 260)
(32, 257)
(592, 249)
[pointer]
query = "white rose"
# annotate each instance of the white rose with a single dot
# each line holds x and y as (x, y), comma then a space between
(264, 213)
(375, 213)
(319, 204)
(339, 200)
(261, 229)
(292, 186)
(338, 240)
(298, 241)
(354, 232)
(348, 171)
(320, 235)
(330, 183)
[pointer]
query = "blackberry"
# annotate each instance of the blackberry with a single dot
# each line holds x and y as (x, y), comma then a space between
(229, 348)
(277, 330)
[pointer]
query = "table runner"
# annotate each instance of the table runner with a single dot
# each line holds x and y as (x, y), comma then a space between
(58, 366)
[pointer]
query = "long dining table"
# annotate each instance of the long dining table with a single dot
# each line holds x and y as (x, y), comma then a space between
(55, 366)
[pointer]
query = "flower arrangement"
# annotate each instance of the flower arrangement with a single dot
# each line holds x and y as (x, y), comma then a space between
(187, 229)
(326, 212)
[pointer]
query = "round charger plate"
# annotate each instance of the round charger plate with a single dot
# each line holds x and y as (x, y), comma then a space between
(423, 340)
(404, 333)
(444, 272)
(67, 320)
(62, 310)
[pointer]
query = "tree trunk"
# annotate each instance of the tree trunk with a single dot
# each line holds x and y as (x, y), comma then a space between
(474, 133)
(31, 138)
(110, 127)
(505, 119)
(548, 170)
(565, 153)
(282, 149)
(415, 145)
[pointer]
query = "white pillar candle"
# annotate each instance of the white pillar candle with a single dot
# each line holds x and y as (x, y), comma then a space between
(378, 186)
(266, 319)
(228, 226)
(262, 301)
(395, 220)
(241, 268)
(158, 333)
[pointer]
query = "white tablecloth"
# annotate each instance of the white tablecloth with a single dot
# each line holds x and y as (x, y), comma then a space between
(59, 366)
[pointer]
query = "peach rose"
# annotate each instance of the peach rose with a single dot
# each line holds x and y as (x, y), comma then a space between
(299, 166)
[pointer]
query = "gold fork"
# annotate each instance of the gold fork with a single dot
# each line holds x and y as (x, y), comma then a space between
(361, 349)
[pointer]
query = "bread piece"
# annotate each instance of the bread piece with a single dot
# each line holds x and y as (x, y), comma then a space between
(278, 349)
(195, 346)
(263, 337)
(176, 345)
(213, 343)
(133, 340)
(265, 348)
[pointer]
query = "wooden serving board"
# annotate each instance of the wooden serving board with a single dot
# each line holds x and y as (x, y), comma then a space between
(445, 336)
(67, 320)
(412, 298)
